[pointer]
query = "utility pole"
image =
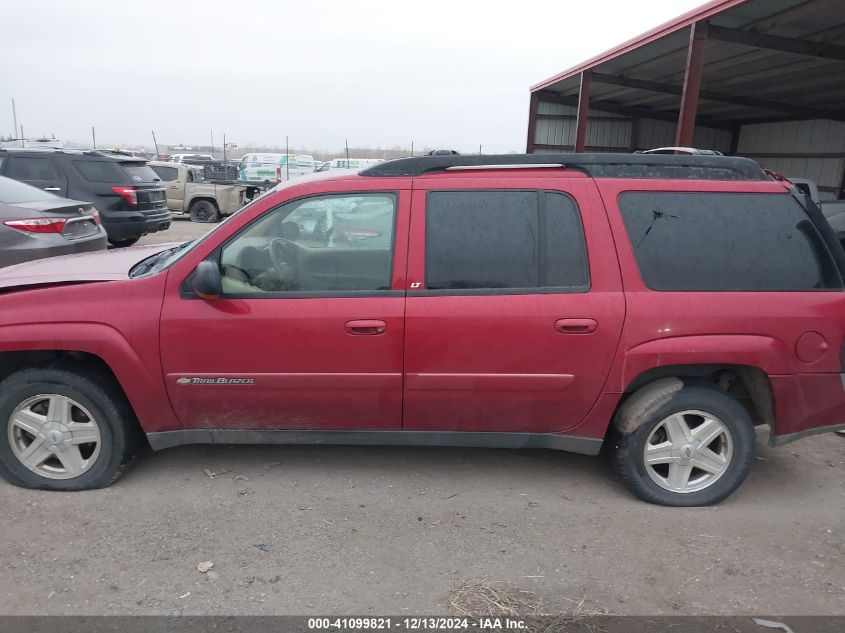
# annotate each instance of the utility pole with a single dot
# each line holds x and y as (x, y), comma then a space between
(287, 158)
(412, 149)
(23, 142)
(94, 137)
(212, 143)
(224, 150)
(15, 118)
(347, 153)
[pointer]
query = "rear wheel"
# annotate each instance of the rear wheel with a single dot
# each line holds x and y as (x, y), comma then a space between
(63, 431)
(204, 211)
(692, 449)
(121, 243)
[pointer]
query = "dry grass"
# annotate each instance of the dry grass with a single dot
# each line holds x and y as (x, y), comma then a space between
(481, 599)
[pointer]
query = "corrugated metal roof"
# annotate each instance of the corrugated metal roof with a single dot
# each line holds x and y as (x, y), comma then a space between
(742, 81)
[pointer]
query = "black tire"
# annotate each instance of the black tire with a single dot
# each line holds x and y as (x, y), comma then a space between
(119, 434)
(204, 211)
(129, 241)
(627, 449)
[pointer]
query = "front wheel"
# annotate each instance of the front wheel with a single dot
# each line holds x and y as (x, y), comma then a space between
(62, 431)
(693, 449)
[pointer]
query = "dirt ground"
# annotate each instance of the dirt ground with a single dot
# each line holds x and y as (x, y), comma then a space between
(308, 530)
(364, 530)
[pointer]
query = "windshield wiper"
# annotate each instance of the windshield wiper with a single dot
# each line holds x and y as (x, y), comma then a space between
(150, 264)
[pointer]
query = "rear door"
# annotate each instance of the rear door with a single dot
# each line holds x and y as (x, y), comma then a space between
(37, 170)
(510, 327)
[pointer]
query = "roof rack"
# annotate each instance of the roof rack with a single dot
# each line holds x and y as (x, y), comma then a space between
(687, 167)
(77, 151)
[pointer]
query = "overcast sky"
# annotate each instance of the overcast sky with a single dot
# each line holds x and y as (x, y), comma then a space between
(452, 73)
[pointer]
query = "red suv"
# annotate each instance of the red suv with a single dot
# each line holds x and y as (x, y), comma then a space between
(659, 307)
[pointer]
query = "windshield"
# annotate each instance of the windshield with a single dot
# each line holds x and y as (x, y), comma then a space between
(164, 259)
(14, 192)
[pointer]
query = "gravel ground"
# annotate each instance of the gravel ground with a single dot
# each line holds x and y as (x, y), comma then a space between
(307, 530)
(315, 530)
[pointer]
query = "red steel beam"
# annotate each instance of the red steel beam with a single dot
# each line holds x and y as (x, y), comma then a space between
(583, 113)
(692, 85)
(533, 106)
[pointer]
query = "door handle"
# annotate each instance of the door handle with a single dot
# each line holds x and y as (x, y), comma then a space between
(52, 188)
(366, 327)
(576, 326)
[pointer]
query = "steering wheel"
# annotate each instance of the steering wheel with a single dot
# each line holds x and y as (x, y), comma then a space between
(284, 256)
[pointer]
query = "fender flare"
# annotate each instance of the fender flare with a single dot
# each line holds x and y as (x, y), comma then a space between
(770, 355)
(138, 380)
(200, 198)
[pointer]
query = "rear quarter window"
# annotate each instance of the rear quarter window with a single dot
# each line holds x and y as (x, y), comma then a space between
(167, 174)
(726, 242)
(99, 170)
(139, 172)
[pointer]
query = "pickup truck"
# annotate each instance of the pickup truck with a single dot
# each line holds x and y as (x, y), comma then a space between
(205, 201)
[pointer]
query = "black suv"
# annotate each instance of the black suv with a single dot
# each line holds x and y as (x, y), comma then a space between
(126, 192)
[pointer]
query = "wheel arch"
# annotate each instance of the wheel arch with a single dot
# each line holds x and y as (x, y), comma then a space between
(93, 366)
(203, 198)
(749, 384)
(96, 348)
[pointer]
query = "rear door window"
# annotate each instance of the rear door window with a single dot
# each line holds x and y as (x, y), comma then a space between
(32, 168)
(484, 240)
(726, 241)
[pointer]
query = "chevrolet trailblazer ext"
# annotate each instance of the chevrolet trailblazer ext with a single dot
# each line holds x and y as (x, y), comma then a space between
(657, 306)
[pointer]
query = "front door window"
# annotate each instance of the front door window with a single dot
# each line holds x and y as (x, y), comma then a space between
(322, 244)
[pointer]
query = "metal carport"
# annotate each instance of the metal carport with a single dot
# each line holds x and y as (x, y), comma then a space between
(760, 78)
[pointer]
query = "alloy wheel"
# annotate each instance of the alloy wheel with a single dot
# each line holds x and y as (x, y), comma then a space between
(688, 451)
(54, 436)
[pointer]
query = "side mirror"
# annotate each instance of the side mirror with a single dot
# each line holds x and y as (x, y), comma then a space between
(207, 283)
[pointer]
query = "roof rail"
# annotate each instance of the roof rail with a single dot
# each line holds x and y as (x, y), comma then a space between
(687, 167)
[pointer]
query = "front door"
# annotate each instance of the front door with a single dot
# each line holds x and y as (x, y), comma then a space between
(309, 330)
(510, 327)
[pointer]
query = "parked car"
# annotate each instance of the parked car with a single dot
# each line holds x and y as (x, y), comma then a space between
(349, 163)
(191, 159)
(691, 151)
(125, 191)
(205, 201)
(274, 168)
(38, 224)
(658, 307)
